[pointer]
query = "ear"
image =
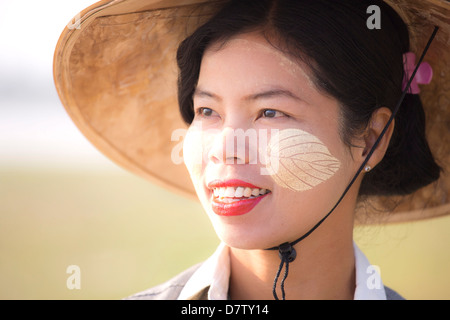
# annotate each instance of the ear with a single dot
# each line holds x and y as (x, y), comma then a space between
(378, 121)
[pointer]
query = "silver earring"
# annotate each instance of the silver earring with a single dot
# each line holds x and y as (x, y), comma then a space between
(367, 168)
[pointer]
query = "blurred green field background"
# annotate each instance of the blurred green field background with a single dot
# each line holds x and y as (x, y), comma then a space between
(126, 235)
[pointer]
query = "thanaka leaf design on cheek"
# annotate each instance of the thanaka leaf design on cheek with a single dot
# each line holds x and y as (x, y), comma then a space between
(298, 160)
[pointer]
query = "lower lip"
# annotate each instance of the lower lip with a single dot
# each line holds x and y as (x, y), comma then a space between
(235, 208)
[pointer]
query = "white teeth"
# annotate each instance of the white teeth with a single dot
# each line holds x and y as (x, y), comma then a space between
(247, 192)
(238, 192)
(229, 192)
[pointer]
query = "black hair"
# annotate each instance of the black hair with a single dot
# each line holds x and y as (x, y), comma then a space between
(362, 68)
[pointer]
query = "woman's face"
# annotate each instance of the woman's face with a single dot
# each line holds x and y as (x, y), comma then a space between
(264, 150)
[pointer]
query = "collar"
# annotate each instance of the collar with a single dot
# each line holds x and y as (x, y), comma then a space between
(214, 274)
(368, 279)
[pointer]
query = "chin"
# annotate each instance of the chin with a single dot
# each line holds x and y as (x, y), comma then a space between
(243, 236)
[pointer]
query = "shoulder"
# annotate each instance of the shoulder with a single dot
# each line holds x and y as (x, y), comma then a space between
(169, 290)
(392, 295)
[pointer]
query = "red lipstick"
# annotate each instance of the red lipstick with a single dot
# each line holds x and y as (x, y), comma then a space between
(234, 207)
(230, 183)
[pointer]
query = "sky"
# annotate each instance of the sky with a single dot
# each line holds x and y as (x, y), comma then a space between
(35, 130)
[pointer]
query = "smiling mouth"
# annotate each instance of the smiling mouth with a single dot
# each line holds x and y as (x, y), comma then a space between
(235, 197)
(239, 193)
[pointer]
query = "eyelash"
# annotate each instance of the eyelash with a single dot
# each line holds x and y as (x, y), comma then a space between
(264, 110)
(199, 112)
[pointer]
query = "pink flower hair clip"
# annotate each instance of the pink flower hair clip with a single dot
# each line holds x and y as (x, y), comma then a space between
(423, 75)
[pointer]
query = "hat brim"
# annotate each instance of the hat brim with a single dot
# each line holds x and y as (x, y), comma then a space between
(115, 72)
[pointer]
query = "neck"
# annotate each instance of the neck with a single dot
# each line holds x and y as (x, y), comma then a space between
(324, 268)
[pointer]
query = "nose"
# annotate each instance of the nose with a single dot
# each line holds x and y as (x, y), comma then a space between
(234, 146)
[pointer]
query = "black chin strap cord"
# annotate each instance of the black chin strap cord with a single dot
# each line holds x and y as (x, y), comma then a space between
(286, 250)
(287, 254)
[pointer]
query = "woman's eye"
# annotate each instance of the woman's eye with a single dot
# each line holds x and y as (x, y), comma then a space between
(270, 113)
(204, 112)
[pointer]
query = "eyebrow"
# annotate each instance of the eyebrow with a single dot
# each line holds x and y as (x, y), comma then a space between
(272, 94)
(257, 96)
(205, 94)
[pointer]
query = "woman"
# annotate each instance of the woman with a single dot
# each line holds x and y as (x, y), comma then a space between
(290, 107)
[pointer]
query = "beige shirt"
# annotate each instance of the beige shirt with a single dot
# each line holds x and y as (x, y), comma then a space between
(215, 273)
(209, 280)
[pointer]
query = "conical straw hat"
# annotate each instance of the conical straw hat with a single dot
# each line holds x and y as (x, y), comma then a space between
(116, 74)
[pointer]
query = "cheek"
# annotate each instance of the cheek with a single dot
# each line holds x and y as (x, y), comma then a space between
(192, 152)
(196, 147)
(299, 161)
